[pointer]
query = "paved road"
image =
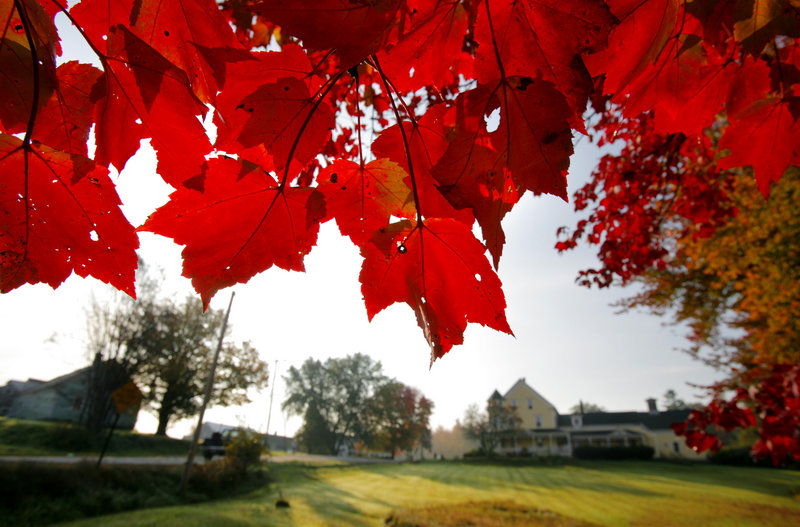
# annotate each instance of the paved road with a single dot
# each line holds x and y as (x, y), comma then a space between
(111, 460)
(180, 460)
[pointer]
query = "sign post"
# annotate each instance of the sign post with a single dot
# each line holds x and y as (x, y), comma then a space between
(124, 397)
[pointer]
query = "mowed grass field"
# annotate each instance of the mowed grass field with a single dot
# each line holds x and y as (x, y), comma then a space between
(648, 494)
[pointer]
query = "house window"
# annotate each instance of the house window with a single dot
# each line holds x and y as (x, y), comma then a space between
(538, 421)
(530, 404)
(577, 421)
(676, 447)
(513, 403)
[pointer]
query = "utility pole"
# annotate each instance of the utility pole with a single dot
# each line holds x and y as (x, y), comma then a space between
(271, 395)
(206, 397)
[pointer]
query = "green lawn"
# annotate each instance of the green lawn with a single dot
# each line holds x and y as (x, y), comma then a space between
(599, 493)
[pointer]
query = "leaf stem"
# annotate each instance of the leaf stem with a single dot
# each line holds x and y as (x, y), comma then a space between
(26, 141)
(320, 98)
(389, 91)
(408, 111)
(26, 24)
(494, 42)
(358, 122)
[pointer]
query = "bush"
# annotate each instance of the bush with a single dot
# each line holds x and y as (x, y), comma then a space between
(741, 456)
(614, 452)
(245, 449)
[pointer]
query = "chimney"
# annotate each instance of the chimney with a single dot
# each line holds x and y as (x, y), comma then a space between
(581, 403)
(651, 406)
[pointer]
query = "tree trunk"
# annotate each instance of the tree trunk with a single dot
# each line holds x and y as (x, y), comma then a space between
(164, 413)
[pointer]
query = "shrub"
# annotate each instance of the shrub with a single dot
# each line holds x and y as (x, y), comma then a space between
(245, 449)
(741, 456)
(477, 453)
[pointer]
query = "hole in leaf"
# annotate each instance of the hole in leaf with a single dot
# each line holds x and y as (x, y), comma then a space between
(492, 120)
(402, 249)
(93, 236)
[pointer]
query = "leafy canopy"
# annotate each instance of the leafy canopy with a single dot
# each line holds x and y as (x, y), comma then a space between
(707, 249)
(291, 150)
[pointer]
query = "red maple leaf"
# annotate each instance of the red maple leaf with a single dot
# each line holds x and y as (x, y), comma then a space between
(470, 177)
(60, 213)
(439, 269)
(526, 39)
(354, 28)
(533, 138)
(431, 31)
(187, 33)
(17, 59)
(363, 199)
(764, 135)
(645, 28)
(426, 145)
(686, 87)
(143, 95)
(287, 120)
(65, 121)
(758, 22)
(269, 112)
(243, 223)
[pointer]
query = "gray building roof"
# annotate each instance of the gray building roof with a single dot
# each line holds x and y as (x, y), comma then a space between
(656, 421)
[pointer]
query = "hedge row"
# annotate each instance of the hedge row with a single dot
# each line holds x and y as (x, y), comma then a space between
(613, 452)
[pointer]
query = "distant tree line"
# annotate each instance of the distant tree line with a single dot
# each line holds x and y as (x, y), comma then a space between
(348, 403)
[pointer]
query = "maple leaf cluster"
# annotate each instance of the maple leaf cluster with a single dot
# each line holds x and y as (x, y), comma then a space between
(471, 104)
(674, 207)
(771, 402)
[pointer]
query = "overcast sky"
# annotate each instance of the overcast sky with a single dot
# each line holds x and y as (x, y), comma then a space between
(569, 345)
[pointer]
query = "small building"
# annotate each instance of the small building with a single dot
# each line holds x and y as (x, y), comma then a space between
(543, 432)
(64, 399)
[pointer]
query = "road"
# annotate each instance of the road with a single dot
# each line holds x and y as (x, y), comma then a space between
(181, 460)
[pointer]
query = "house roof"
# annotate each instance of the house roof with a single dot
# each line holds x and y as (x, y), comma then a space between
(48, 385)
(21, 386)
(658, 421)
(528, 386)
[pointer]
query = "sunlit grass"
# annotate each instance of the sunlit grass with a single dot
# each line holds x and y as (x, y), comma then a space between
(621, 493)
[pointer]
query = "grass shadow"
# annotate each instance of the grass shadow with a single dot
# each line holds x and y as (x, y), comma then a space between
(312, 487)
